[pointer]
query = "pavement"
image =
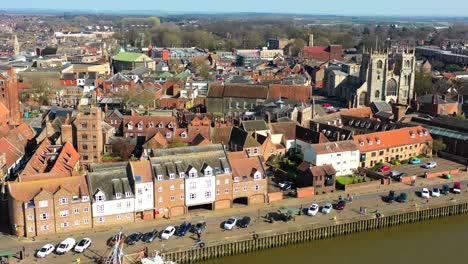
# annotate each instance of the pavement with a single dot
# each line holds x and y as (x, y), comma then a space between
(369, 198)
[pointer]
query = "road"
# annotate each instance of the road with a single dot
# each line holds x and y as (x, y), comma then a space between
(371, 199)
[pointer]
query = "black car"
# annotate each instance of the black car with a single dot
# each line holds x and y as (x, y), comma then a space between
(134, 238)
(402, 198)
(445, 189)
(391, 197)
(244, 222)
(198, 227)
(183, 229)
(150, 236)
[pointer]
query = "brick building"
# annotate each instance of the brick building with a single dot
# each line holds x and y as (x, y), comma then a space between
(322, 178)
(323, 53)
(87, 135)
(47, 204)
(397, 144)
(9, 93)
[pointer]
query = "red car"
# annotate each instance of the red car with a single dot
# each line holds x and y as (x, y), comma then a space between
(384, 168)
(340, 205)
(326, 105)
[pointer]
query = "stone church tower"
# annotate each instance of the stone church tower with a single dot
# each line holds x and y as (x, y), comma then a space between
(385, 77)
(16, 45)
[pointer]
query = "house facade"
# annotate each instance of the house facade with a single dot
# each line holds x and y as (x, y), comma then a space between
(342, 155)
(141, 181)
(249, 180)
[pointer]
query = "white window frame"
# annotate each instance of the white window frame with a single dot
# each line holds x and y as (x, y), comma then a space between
(44, 216)
(43, 203)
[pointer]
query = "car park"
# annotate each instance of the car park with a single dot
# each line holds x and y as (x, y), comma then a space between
(183, 229)
(384, 168)
(244, 222)
(45, 250)
(150, 236)
(198, 227)
(230, 223)
(429, 165)
(435, 192)
(83, 245)
(456, 187)
(134, 238)
(391, 197)
(414, 161)
(402, 198)
(425, 193)
(327, 208)
(341, 205)
(313, 209)
(65, 246)
(168, 232)
(445, 189)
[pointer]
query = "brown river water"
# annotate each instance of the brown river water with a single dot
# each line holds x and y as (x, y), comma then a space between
(431, 242)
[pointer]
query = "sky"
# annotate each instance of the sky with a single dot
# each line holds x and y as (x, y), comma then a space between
(341, 7)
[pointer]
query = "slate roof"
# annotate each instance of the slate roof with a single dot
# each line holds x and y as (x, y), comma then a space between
(220, 135)
(242, 139)
(334, 147)
(110, 182)
(254, 125)
(380, 106)
(140, 71)
(118, 78)
(181, 160)
(308, 135)
(288, 129)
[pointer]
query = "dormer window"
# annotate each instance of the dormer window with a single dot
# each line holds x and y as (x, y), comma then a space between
(128, 194)
(161, 125)
(377, 140)
(257, 176)
(130, 125)
(411, 134)
(208, 171)
(227, 170)
(168, 135)
(170, 125)
(140, 126)
(236, 179)
(193, 173)
(84, 198)
(118, 195)
(181, 175)
(172, 176)
(100, 198)
(160, 177)
(369, 141)
(426, 133)
(183, 135)
(151, 124)
(361, 143)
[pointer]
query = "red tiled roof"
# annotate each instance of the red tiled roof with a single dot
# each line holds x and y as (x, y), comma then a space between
(357, 112)
(392, 138)
(315, 49)
(12, 153)
(67, 159)
(300, 93)
(237, 90)
(142, 169)
(3, 110)
(245, 166)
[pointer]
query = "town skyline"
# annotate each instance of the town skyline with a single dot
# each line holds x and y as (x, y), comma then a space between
(301, 7)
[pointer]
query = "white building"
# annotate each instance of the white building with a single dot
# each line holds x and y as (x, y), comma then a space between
(342, 155)
(200, 186)
(143, 187)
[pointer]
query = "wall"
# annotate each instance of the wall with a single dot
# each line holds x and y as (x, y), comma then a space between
(356, 186)
(305, 192)
(275, 196)
(440, 173)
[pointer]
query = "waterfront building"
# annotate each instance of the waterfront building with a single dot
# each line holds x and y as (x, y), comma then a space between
(342, 155)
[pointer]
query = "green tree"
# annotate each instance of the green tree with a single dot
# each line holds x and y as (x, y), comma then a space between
(423, 83)
(438, 145)
(297, 47)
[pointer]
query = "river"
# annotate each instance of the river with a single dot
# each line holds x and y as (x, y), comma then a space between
(436, 241)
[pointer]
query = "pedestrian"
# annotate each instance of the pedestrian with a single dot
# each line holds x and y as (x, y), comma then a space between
(198, 236)
(340, 198)
(300, 210)
(427, 200)
(347, 196)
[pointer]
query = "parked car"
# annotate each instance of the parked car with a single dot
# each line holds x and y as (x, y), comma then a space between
(384, 168)
(230, 223)
(83, 245)
(430, 165)
(327, 208)
(198, 227)
(341, 205)
(445, 189)
(456, 187)
(168, 232)
(113, 240)
(332, 110)
(45, 250)
(394, 173)
(435, 192)
(65, 246)
(414, 161)
(313, 209)
(183, 229)
(402, 174)
(134, 238)
(285, 185)
(150, 236)
(425, 193)
(244, 222)
(326, 105)
(391, 197)
(402, 197)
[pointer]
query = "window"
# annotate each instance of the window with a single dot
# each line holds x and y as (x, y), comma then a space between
(101, 219)
(208, 194)
(119, 217)
(257, 187)
(192, 174)
(129, 215)
(160, 200)
(245, 188)
(226, 181)
(193, 196)
(172, 176)
(100, 208)
(182, 186)
(226, 191)
(182, 197)
(118, 195)
(181, 175)
(86, 209)
(183, 135)
(160, 177)
(45, 227)
(160, 189)
(248, 151)
(84, 146)
(207, 184)
(85, 157)
(64, 213)
(129, 204)
(168, 135)
(84, 136)
(130, 125)
(31, 229)
(30, 217)
(84, 125)
(140, 126)
(172, 187)
(236, 189)
(140, 190)
(379, 64)
(161, 125)
(128, 194)
(65, 224)
(255, 150)
(43, 203)
(217, 192)
(218, 182)
(170, 125)
(44, 216)
(236, 179)
(100, 198)
(86, 221)
(226, 170)
(208, 172)
(193, 185)
(172, 198)
(118, 205)
(237, 105)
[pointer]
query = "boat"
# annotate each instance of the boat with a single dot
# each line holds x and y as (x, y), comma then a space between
(156, 259)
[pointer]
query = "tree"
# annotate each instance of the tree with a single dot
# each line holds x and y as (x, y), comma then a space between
(297, 47)
(454, 68)
(138, 96)
(122, 149)
(438, 145)
(40, 90)
(423, 83)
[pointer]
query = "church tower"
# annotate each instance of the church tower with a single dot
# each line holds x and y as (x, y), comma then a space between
(405, 64)
(16, 46)
(373, 72)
